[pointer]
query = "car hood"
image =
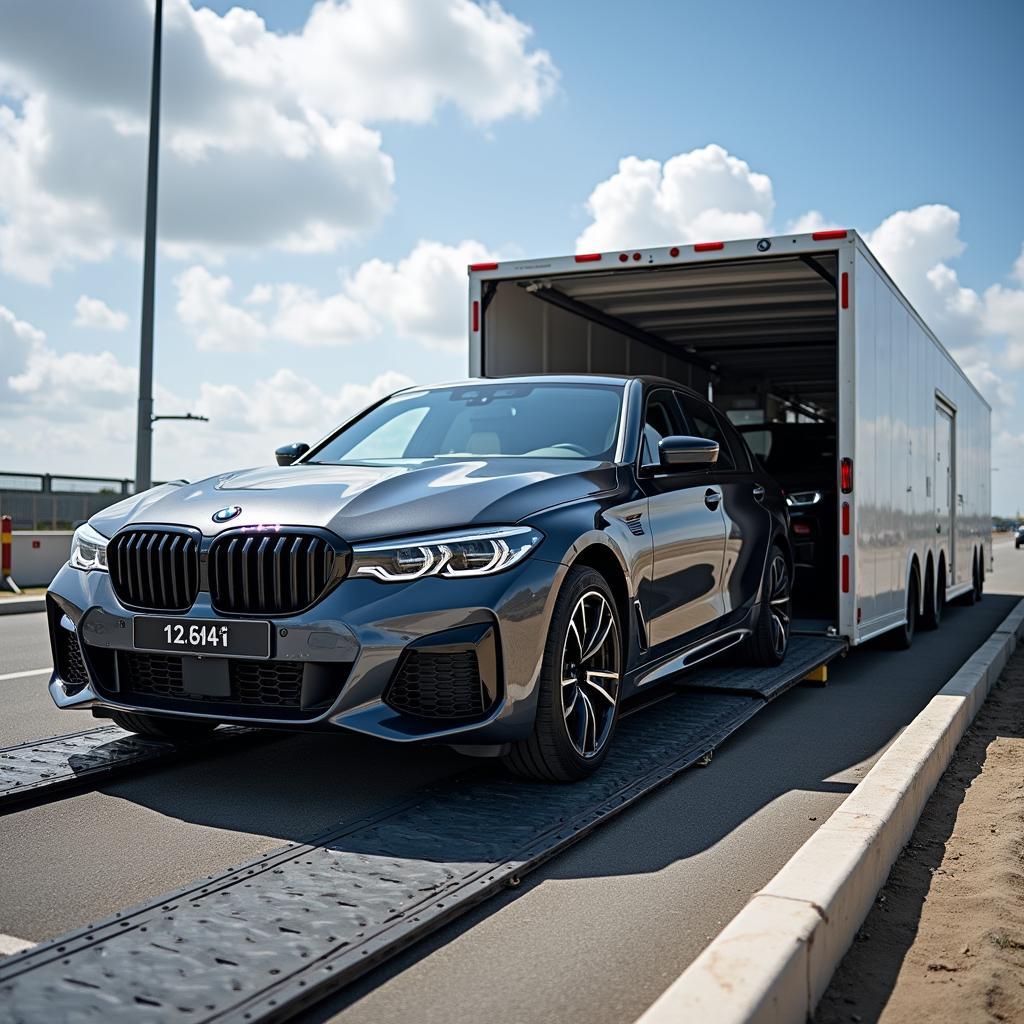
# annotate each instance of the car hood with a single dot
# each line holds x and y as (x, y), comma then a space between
(367, 502)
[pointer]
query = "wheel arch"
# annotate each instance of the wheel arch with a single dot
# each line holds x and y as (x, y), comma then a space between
(605, 559)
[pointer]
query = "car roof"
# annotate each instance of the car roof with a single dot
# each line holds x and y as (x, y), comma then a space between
(561, 378)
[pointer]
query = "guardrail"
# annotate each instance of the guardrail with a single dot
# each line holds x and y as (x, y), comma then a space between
(47, 501)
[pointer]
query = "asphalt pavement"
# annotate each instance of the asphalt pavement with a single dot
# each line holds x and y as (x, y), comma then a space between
(596, 934)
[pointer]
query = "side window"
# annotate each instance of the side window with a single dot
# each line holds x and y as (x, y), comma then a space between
(738, 447)
(704, 423)
(661, 419)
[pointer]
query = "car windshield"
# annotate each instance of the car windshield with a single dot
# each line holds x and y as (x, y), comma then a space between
(515, 420)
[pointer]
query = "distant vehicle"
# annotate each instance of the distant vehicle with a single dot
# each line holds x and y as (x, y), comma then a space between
(488, 563)
(1018, 536)
(802, 458)
(783, 329)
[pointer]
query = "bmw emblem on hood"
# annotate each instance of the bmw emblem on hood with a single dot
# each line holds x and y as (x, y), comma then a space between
(224, 514)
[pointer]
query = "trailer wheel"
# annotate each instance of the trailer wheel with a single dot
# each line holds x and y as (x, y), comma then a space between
(902, 637)
(932, 614)
(981, 574)
(175, 730)
(768, 644)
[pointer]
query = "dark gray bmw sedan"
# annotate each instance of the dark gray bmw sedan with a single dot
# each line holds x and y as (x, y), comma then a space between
(494, 564)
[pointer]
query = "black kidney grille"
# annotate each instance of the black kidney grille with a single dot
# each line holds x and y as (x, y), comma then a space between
(157, 569)
(269, 573)
(438, 685)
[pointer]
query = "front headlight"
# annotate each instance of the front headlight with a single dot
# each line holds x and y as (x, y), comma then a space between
(88, 549)
(480, 552)
(801, 499)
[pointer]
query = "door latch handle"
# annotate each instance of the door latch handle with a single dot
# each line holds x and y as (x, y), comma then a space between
(712, 498)
(758, 492)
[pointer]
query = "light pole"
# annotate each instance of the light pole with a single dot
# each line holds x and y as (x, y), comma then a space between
(144, 428)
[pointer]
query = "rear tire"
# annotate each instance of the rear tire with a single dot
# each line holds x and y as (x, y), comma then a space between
(579, 686)
(768, 644)
(175, 730)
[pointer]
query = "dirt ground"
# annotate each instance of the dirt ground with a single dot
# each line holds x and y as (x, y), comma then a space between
(945, 939)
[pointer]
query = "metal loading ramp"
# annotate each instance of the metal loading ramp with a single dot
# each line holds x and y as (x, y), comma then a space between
(276, 935)
(805, 654)
(39, 768)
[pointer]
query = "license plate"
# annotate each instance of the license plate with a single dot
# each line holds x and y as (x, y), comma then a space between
(239, 638)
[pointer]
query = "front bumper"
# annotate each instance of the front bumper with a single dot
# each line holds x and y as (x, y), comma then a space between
(354, 641)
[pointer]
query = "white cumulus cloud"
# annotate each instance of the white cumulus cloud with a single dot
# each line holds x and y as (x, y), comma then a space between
(419, 298)
(206, 311)
(95, 313)
(266, 137)
(705, 194)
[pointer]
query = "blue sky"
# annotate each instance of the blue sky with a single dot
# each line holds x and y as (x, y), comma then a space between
(859, 113)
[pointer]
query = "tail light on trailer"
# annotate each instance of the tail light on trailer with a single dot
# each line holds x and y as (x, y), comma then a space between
(846, 475)
(476, 316)
(844, 290)
(846, 574)
(708, 246)
(483, 266)
(588, 257)
(824, 236)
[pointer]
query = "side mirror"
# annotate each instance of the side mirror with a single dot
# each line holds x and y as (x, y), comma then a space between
(681, 452)
(288, 453)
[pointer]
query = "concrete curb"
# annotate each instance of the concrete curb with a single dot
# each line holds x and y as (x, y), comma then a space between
(774, 960)
(15, 605)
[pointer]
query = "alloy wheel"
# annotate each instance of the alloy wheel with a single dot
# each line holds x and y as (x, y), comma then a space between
(591, 670)
(779, 603)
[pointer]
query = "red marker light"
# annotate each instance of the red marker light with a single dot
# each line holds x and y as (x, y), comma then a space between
(588, 257)
(844, 290)
(846, 475)
(824, 236)
(476, 317)
(708, 246)
(674, 251)
(623, 257)
(846, 519)
(483, 266)
(846, 574)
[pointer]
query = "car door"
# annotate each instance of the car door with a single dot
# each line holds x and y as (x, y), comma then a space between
(744, 487)
(688, 534)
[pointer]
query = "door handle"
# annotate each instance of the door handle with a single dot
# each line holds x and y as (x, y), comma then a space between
(712, 498)
(758, 492)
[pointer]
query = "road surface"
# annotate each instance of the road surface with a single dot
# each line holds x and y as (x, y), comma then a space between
(596, 934)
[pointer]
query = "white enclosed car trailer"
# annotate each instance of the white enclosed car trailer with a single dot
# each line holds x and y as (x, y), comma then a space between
(791, 328)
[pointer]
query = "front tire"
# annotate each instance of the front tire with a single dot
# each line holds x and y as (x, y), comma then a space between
(174, 730)
(768, 644)
(579, 686)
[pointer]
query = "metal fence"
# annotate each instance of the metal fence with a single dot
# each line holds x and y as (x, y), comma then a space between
(43, 501)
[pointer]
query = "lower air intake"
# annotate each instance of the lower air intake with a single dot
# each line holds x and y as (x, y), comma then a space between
(439, 685)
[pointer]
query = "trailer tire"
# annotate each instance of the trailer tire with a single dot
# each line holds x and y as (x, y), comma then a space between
(157, 727)
(901, 638)
(932, 615)
(768, 643)
(981, 574)
(550, 754)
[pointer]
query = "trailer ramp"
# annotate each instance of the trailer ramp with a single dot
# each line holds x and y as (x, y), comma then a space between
(805, 654)
(41, 768)
(266, 940)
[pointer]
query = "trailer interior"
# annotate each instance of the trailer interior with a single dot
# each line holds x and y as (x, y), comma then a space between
(758, 337)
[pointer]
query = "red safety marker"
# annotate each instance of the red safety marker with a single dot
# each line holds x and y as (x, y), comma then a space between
(5, 545)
